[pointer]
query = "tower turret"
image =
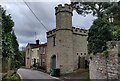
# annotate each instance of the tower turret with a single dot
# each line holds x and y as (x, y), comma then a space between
(64, 38)
(63, 17)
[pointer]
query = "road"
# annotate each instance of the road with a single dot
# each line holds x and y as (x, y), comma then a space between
(33, 75)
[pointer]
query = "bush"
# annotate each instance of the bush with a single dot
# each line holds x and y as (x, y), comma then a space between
(13, 77)
(99, 33)
(116, 33)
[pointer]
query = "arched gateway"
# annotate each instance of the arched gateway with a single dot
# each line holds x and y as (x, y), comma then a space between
(53, 62)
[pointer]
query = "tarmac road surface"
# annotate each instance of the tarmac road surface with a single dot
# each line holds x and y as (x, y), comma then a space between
(33, 75)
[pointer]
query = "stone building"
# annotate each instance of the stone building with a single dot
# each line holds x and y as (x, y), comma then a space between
(67, 45)
(36, 53)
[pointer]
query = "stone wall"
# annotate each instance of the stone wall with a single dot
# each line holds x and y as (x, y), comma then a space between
(102, 67)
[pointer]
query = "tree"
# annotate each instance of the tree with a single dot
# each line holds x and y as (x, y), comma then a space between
(101, 30)
(7, 25)
(99, 33)
(96, 8)
(114, 11)
(17, 57)
(23, 57)
(10, 46)
(0, 42)
(7, 50)
(116, 33)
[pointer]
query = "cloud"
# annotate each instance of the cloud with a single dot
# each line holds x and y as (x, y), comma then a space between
(82, 21)
(26, 24)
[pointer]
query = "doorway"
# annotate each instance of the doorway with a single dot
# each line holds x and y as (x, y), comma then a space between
(34, 64)
(53, 62)
(81, 62)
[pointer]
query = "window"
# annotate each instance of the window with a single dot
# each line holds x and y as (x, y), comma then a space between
(44, 50)
(38, 53)
(54, 41)
(43, 60)
(28, 50)
(37, 60)
(32, 60)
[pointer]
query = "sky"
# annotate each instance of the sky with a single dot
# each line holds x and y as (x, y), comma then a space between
(26, 23)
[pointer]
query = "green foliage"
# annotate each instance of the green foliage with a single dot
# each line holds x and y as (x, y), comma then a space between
(99, 34)
(0, 36)
(23, 57)
(114, 11)
(7, 25)
(96, 8)
(106, 53)
(7, 49)
(17, 57)
(13, 77)
(116, 33)
(101, 31)
(7, 22)
(10, 46)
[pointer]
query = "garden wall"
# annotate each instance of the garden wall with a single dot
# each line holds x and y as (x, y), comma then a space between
(106, 65)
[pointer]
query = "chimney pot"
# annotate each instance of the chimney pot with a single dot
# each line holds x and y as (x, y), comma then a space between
(37, 42)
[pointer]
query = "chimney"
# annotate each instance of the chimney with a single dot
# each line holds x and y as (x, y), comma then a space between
(37, 42)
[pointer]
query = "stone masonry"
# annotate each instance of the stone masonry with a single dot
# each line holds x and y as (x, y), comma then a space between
(101, 67)
(65, 42)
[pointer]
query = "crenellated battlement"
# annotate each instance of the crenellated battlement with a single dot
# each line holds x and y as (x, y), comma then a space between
(65, 8)
(51, 33)
(80, 31)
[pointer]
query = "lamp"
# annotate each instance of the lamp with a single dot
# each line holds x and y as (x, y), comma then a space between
(111, 19)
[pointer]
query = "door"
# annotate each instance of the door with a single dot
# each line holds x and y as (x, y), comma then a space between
(34, 62)
(78, 62)
(54, 62)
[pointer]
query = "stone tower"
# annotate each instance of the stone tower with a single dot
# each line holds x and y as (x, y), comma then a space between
(66, 45)
(64, 37)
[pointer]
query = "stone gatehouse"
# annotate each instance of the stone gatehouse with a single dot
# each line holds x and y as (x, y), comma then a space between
(66, 45)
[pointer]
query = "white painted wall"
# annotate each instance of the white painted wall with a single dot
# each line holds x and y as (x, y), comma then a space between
(35, 54)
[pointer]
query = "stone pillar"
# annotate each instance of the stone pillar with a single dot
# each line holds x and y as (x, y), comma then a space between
(64, 39)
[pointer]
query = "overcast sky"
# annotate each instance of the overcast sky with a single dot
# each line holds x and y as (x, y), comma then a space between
(26, 24)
